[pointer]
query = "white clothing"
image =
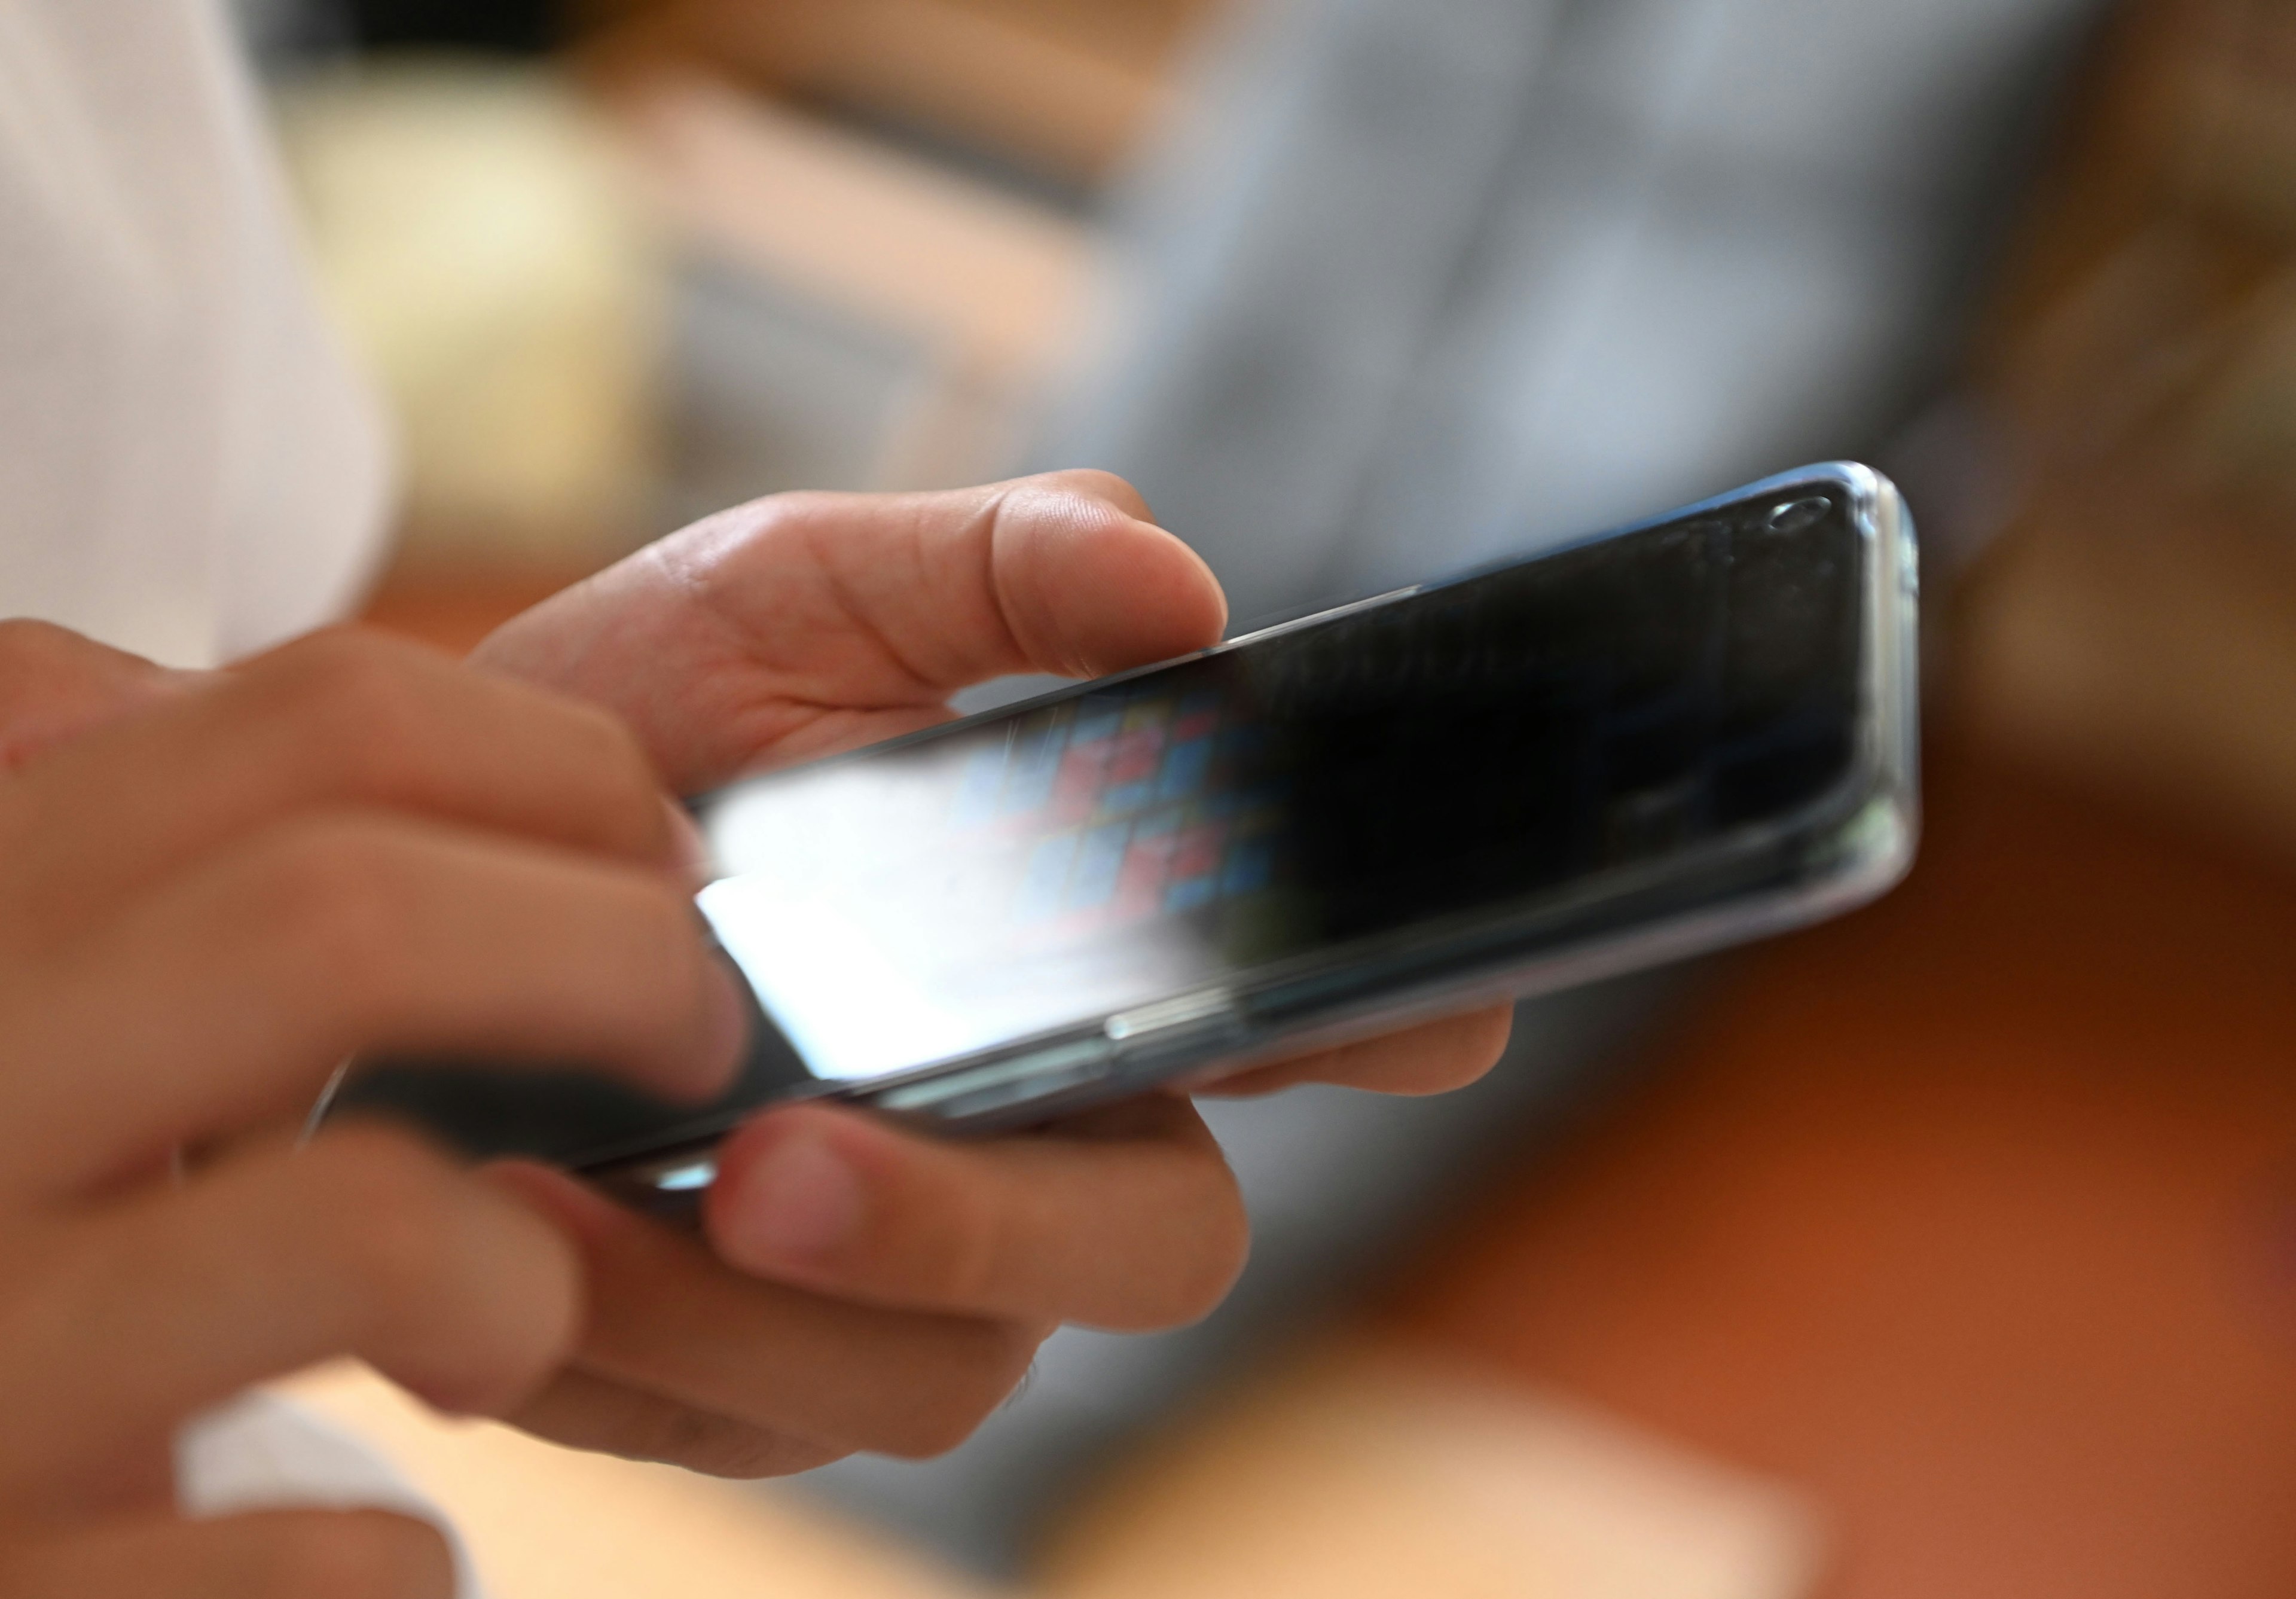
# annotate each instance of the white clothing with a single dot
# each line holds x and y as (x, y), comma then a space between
(263, 1452)
(188, 469)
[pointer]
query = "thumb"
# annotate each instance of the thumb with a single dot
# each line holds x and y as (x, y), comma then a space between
(1088, 584)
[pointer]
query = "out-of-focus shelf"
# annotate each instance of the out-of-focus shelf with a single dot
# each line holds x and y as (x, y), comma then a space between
(1059, 88)
(963, 299)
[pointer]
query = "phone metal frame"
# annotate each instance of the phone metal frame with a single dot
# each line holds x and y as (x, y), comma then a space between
(1842, 851)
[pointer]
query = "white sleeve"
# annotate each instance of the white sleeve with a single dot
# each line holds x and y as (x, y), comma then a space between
(262, 1452)
(188, 468)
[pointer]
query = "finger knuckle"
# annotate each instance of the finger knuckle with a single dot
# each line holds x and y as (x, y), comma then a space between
(694, 556)
(357, 1554)
(339, 896)
(381, 1197)
(359, 708)
(30, 648)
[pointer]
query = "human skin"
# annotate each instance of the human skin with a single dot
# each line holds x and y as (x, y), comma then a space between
(795, 627)
(209, 889)
(857, 1287)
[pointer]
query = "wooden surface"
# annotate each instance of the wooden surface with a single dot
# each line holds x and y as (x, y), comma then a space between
(1974, 1216)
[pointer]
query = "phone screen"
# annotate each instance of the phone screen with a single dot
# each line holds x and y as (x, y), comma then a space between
(1455, 751)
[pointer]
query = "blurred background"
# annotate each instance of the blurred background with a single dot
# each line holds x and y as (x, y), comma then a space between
(1951, 1249)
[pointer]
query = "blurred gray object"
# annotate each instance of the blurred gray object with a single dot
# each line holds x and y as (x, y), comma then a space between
(1415, 283)
(1419, 282)
(771, 389)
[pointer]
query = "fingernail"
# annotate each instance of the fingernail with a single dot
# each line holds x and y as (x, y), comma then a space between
(797, 1204)
(726, 1026)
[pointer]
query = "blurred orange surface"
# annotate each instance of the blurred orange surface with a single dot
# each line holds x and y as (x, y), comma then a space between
(1974, 1215)
(456, 610)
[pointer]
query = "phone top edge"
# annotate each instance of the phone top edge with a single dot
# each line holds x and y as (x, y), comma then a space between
(1879, 795)
(1892, 663)
(1871, 493)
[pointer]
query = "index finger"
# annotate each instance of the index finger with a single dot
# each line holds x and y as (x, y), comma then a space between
(334, 720)
(225, 999)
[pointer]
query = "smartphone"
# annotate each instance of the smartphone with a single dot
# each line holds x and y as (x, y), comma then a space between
(1652, 743)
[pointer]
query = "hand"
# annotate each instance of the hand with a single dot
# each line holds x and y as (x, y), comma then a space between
(211, 890)
(57, 686)
(864, 1287)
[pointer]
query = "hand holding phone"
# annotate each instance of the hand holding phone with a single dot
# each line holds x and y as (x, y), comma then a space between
(209, 890)
(1672, 736)
(945, 1262)
(929, 1269)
